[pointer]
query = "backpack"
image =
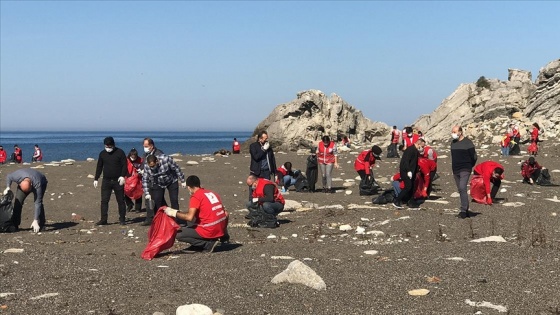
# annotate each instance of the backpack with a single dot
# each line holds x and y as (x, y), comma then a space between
(386, 196)
(301, 183)
(368, 186)
(6, 213)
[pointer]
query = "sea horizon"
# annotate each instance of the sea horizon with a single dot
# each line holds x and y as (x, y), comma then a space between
(81, 145)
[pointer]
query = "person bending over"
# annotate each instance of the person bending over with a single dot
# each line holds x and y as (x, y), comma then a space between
(28, 181)
(206, 218)
(531, 170)
(491, 172)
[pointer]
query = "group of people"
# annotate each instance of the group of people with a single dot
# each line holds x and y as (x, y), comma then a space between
(510, 141)
(17, 155)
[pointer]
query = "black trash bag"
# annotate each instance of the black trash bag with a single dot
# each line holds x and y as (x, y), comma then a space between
(544, 178)
(261, 219)
(368, 186)
(387, 196)
(302, 184)
(6, 213)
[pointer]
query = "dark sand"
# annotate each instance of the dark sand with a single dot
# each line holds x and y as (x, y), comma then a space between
(102, 272)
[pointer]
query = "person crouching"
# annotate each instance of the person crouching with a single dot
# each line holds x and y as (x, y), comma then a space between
(265, 204)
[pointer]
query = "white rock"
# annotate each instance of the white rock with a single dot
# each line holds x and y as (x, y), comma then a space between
(42, 296)
(294, 235)
(348, 192)
(494, 238)
(192, 163)
(2, 295)
(555, 171)
(298, 272)
(291, 205)
(90, 159)
(360, 230)
(456, 258)
(375, 233)
(193, 309)
(513, 204)
(419, 292)
(345, 227)
(371, 252)
(271, 236)
(499, 308)
(14, 250)
(503, 190)
(90, 176)
(282, 257)
(455, 194)
(554, 199)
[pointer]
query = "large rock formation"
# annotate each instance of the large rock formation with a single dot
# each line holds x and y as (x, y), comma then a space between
(301, 123)
(487, 109)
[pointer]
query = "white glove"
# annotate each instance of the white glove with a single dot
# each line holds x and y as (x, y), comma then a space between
(184, 185)
(530, 180)
(171, 212)
(255, 200)
(94, 184)
(6, 190)
(141, 172)
(121, 180)
(147, 197)
(409, 174)
(265, 146)
(35, 226)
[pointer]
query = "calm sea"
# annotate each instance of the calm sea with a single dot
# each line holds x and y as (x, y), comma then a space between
(81, 145)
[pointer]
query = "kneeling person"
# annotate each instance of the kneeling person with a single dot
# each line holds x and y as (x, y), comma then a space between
(491, 172)
(207, 218)
(265, 204)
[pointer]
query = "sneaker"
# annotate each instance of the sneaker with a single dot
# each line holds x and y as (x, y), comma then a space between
(463, 215)
(283, 190)
(211, 247)
(146, 223)
(101, 222)
(397, 204)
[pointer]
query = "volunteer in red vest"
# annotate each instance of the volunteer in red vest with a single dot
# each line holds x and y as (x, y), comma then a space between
(207, 218)
(530, 170)
(398, 184)
(285, 176)
(504, 143)
(134, 167)
(395, 138)
(3, 155)
(265, 204)
(235, 147)
(327, 157)
(17, 155)
(533, 147)
(366, 160)
(37, 155)
(515, 136)
(491, 172)
(429, 153)
(427, 170)
(410, 137)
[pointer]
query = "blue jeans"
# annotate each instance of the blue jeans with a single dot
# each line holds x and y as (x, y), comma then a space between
(505, 151)
(397, 187)
(288, 181)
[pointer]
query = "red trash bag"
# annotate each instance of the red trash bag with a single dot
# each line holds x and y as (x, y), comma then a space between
(419, 187)
(161, 235)
(133, 186)
(533, 148)
(478, 193)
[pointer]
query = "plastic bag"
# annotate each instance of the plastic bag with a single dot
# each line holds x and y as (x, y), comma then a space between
(161, 235)
(533, 148)
(133, 186)
(6, 213)
(419, 187)
(478, 193)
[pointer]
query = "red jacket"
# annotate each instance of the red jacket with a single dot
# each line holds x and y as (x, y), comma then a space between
(19, 155)
(395, 136)
(211, 218)
(235, 146)
(505, 141)
(397, 177)
(426, 166)
(364, 161)
(486, 169)
(527, 169)
(535, 135)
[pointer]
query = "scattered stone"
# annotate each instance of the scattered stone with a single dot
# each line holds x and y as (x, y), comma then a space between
(554, 199)
(444, 202)
(192, 163)
(282, 257)
(345, 227)
(499, 308)
(360, 230)
(371, 252)
(193, 309)
(456, 258)
(375, 233)
(455, 194)
(90, 176)
(42, 296)
(90, 159)
(419, 292)
(494, 238)
(271, 236)
(291, 205)
(294, 235)
(3, 295)
(298, 272)
(513, 204)
(348, 192)
(14, 250)
(503, 190)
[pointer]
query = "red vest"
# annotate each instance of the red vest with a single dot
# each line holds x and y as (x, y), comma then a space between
(282, 170)
(534, 134)
(3, 156)
(236, 146)
(396, 136)
(258, 192)
(211, 217)
(364, 161)
(40, 156)
(326, 154)
(18, 155)
(397, 177)
(409, 141)
(427, 153)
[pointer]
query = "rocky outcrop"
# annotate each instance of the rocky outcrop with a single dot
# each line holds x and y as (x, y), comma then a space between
(485, 110)
(302, 122)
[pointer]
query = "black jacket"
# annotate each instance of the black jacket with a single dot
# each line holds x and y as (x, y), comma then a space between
(409, 160)
(112, 164)
(258, 155)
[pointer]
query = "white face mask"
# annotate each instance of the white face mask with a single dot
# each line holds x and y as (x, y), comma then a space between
(132, 159)
(454, 136)
(109, 150)
(147, 150)
(410, 135)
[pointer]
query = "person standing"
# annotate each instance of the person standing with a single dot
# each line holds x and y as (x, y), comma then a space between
(463, 159)
(3, 155)
(504, 143)
(409, 137)
(28, 181)
(160, 173)
(37, 154)
(533, 148)
(393, 147)
(134, 170)
(327, 156)
(263, 163)
(112, 163)
(235, 147)
(407, 169)
(206, 218)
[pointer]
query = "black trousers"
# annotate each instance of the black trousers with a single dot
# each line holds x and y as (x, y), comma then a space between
(107, 187)
(18, 206)
(158, 194)
(495, 187)
(191, 236)
(408, 190)
(137, 203)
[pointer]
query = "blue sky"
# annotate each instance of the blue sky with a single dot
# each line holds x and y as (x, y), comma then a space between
(181, 65)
